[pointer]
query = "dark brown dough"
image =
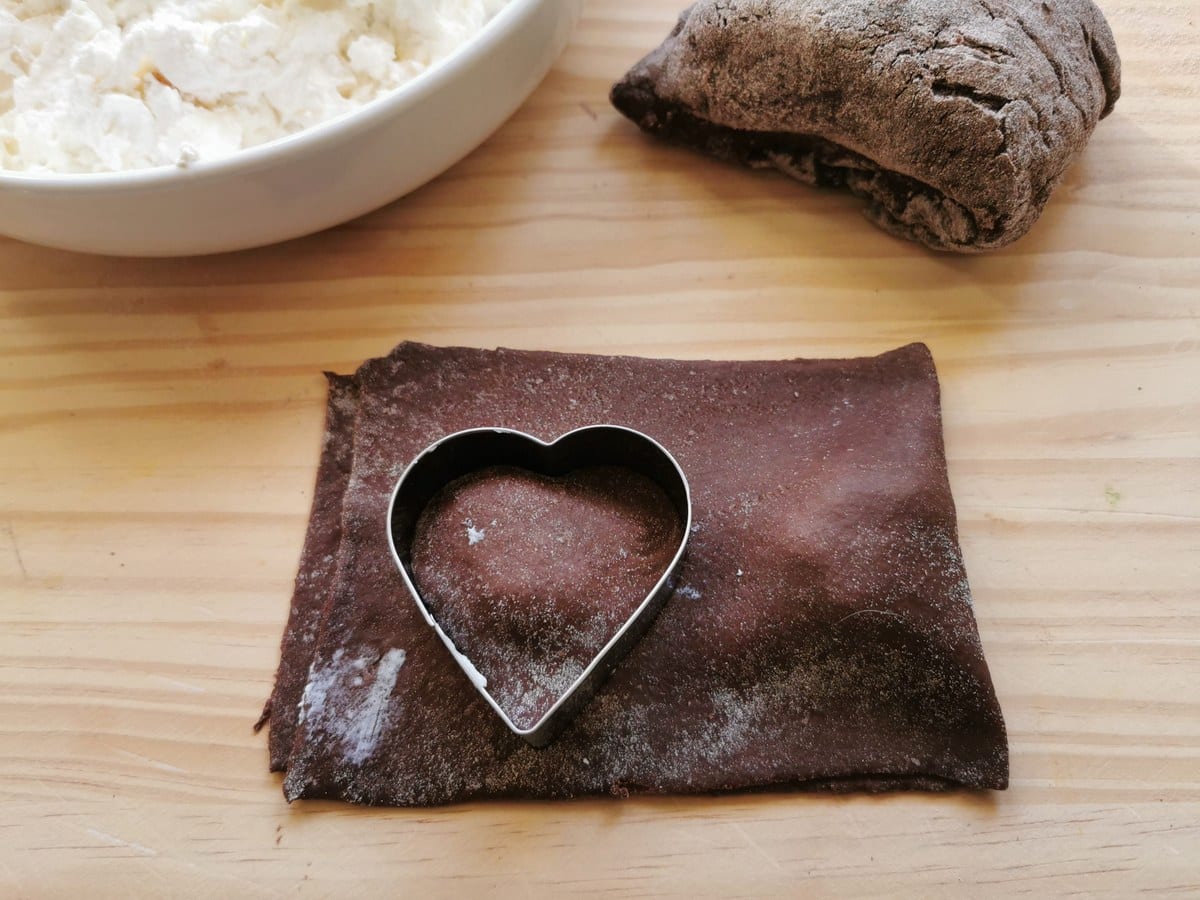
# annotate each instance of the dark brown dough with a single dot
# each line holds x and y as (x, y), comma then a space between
(953, 119)
(315, 576)
(531, 576)
(821, 634)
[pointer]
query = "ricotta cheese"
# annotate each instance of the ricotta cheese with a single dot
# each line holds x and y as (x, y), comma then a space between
(108, 85)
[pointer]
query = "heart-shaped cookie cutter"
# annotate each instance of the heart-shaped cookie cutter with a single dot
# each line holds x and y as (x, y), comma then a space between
(464, 452)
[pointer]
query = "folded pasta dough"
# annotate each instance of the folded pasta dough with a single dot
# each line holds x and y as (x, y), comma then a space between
(953, 119)
(821, 634)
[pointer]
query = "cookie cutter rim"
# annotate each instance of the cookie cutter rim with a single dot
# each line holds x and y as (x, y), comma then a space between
(602, 444)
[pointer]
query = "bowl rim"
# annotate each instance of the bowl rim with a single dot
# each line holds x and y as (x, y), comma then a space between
(322, 134)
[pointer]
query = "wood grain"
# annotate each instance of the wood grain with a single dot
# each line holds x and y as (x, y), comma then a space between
(159, 426)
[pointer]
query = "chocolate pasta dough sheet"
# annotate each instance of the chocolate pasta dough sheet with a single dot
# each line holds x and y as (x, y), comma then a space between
(820, 635)
(317, 565)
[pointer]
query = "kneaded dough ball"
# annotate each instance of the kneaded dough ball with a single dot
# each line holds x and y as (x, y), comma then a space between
(953, 119)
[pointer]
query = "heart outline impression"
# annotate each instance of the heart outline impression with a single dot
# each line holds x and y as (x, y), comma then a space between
(458, 454)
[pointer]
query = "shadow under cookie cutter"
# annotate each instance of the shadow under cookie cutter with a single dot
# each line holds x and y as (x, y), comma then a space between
(464, 452)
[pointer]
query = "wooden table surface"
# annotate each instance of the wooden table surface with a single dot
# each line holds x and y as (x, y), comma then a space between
(159, 428)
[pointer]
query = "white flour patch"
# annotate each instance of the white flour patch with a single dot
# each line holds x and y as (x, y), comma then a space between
(316, 689)
(474, 535)
(464, 662)
(366, 722)
(102, 85)
(334, 703)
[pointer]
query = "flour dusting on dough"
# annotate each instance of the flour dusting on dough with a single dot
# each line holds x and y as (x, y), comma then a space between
(330, 703)
(474, 535)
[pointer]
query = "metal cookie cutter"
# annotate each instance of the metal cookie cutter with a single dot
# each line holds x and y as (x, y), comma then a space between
(467, 451)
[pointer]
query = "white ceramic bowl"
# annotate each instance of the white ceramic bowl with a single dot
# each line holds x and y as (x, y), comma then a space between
(308, 181)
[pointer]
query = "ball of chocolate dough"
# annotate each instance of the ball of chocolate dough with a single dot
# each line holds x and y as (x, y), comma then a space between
(953, 119)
